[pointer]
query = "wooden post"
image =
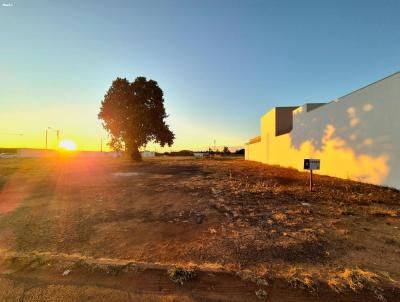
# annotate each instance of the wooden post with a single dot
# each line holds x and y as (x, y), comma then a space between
(311, 181)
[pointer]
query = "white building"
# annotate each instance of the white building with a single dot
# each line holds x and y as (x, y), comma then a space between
(38, 153)
(356, 136)
(148, 154)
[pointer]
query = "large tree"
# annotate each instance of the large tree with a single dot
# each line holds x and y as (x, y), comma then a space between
(133, 113)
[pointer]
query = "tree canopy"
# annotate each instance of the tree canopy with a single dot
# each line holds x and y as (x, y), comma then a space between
(133, 113)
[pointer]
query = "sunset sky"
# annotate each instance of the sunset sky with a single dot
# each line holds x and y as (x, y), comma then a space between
(221, 64)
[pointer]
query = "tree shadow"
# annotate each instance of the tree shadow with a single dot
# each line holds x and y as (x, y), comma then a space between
(364, 122)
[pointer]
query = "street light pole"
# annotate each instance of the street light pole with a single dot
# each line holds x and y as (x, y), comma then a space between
(47, 134)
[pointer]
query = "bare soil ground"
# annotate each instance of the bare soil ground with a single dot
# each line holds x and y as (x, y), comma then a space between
(110, 230)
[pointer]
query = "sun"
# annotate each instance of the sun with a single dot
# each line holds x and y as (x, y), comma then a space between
(67, 144)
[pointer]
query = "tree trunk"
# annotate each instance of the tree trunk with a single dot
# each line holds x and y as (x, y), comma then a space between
(135, 155)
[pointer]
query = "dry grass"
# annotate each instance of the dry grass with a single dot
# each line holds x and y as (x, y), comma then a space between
(302, 280)
(261, 294)
(181, 275)
(225, 214)
(252, 277)
(356, 279)
(383, 212)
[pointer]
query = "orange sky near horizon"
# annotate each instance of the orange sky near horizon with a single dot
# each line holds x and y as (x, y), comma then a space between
(27, 129)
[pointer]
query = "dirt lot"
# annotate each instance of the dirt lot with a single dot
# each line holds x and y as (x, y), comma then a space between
(109, 230)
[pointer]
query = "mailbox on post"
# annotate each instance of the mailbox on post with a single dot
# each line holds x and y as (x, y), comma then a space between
(311, 164)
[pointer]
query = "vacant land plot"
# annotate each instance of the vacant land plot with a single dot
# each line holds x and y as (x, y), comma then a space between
(192, 230)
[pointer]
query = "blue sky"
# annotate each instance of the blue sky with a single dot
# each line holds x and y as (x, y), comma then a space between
(221, 64)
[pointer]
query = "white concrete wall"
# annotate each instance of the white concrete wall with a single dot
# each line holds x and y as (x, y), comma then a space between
(356, 136)
(253, 150)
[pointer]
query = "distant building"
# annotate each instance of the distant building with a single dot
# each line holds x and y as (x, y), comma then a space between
(8, 155)
(148, 154)
(32, 152)
(38, 153)
(200, 154)
(356, 136)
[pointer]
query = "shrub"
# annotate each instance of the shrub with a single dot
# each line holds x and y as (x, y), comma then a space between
(180, 274)
(261, 294)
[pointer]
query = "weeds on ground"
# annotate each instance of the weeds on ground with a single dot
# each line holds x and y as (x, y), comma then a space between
(249, 276)
(30, 262)
(383, 212)
(356, 280)
(180, 274)
(302, 281)
(110, 269)
(261, 294)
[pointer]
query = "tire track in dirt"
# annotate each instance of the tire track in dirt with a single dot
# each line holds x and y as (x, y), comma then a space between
(150, 279)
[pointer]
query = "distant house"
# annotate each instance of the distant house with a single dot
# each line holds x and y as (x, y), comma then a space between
(356, 136)
(38, 153)
(200, 154)
(148, 154)
(34, 153)
(8, 155)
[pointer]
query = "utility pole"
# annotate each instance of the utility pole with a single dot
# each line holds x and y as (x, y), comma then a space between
(47, 129)
(47, 136)
(58, 137)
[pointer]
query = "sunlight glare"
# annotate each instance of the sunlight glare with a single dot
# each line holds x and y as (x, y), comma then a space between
(67, 144)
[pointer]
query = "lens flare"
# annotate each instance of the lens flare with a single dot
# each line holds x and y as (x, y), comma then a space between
(67, 144)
